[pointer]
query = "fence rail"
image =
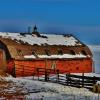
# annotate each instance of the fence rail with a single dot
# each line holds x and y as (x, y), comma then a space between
(58, 76)
(67, 79)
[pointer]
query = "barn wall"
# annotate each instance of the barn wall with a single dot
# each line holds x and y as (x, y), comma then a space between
(11, 67)
(2, 60)
(28, 68)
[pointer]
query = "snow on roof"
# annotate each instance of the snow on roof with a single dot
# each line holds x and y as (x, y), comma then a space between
(49, 39)
(57, 56)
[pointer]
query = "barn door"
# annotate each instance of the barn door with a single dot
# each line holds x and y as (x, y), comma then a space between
(2, 60)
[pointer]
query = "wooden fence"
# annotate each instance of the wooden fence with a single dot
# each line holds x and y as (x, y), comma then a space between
(67, 79)
(59, 77)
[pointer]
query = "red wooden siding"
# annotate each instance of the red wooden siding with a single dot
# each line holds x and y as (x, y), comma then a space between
(11, 67)
(28, 68)
(2, 60)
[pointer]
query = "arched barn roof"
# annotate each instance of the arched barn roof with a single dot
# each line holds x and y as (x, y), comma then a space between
(51, 46)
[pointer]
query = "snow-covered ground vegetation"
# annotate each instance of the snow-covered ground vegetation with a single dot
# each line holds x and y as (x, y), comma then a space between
(26, 89)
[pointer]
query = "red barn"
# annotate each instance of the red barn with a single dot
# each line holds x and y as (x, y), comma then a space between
(21, 54)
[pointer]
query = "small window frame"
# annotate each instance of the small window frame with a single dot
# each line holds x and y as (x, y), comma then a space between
(47, 52)
(84, 52)
(19, 52)
(60, 52)
(34, 53)
(72, 52)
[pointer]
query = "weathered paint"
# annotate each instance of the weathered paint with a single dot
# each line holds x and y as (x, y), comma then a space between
(2, 60)
(29, 67)
(11, 67)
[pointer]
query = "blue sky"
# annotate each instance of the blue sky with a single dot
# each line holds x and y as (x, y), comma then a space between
(79, 17)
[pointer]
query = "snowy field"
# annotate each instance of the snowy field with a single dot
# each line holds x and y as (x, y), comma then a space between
(36, 90)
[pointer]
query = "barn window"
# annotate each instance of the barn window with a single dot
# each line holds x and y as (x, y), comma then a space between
(72, 52)
(34, 53)
(60, 52)
(19, 52)
(47, 52)
(83, 52)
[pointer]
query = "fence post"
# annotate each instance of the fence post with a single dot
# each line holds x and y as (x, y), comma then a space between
(33, 75)
(14, 71)
(57, 76)
(46, 75)
(94, 80)
(38, 73)
(83, 79)
(67, 79)
(94, 85)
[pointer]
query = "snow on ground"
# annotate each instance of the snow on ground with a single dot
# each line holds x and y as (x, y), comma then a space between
(87, 74)
(36, 90)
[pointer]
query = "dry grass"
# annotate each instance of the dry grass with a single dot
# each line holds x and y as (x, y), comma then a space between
(10, 90)
(3, 74)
